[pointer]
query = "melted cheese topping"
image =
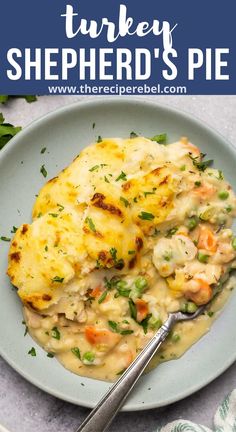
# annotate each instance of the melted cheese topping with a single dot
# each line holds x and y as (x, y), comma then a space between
(131, 231)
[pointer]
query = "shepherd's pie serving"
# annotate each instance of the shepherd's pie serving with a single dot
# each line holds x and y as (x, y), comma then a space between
(130, 231)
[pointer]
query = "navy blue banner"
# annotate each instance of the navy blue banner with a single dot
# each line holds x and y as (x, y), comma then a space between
(118, 47)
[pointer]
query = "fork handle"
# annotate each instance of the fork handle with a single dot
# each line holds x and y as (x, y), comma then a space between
(102, 415)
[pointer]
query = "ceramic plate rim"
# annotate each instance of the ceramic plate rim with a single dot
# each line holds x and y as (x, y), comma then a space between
(77, 105)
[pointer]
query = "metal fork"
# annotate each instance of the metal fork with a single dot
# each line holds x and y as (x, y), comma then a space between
(102, 415)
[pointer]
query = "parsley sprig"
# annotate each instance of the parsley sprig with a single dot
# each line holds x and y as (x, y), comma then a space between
(199, 163)
(7, 131)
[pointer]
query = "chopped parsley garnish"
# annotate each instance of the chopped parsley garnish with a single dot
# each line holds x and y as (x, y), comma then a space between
(125, 201)
(133, 135)
(132, 309)
(131, 252)
(90, 223)
(102, 297)
(167, 256)
(6, 239)
(32, 352)
(160, 139)
(119, 263)
(114, 326)
(46, 248)
(106, 179)
(7, 131)
(133, 314)
(28, 98)
(126, 332)
(122, 176)
(116, 329)
(148, 193)
(197, 183)
(109, 284)
(61, 207)
(199, 163)
(99, 139)
(220, 175)
(50, 355)
(113, 252)
(14, 229)
(43, 150)
(58, 279)
(55, 333)
(26, 328)
(76, 352)
(210, 313)
(171, 232)
(43, 171)
(144, 323)
(146, 216)
(94, 168)
(55, 215)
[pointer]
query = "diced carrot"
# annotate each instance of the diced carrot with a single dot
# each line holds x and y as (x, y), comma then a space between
(206, 239)
(96, 336)
(142, 309)
(96, 292)
(203, 295)
(204, 191)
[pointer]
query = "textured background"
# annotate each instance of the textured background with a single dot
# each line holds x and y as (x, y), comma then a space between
(24, 408)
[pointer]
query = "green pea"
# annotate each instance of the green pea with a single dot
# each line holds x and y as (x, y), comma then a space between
(175, 337)
(141, 283)
(202, 257)
(88, 357)
(183, 307)
(139, 286)
(154, 323)
(191, 307)
(121, 284)
(192, 223)
(188, 307)
(223, 195)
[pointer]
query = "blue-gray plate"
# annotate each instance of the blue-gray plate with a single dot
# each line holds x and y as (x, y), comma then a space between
(64, 133)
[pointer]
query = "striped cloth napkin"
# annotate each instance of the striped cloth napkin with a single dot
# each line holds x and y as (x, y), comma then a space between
(224, 419)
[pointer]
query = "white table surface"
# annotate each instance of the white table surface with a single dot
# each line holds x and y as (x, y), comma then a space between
(23, 407)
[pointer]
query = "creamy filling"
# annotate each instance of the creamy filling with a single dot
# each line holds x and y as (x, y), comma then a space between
(111, 361)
